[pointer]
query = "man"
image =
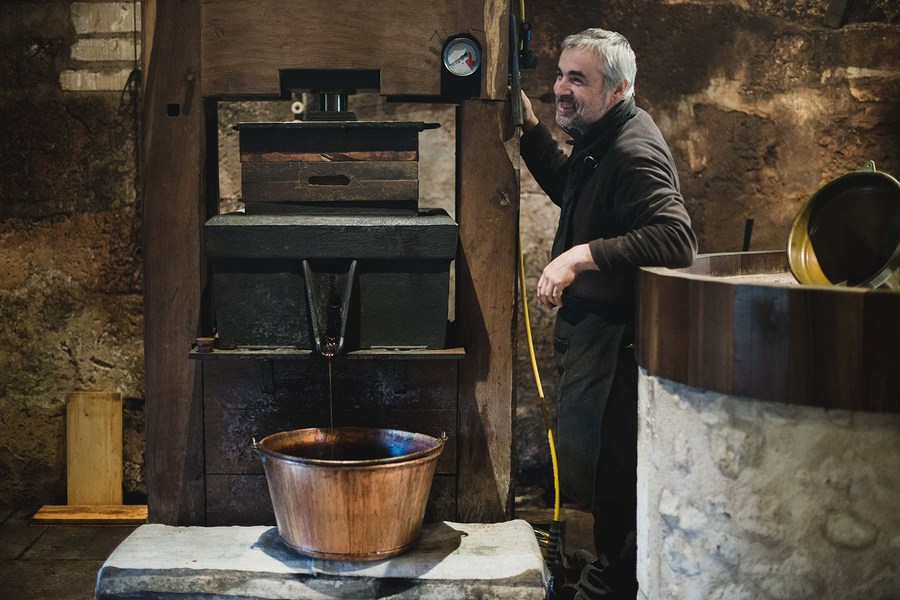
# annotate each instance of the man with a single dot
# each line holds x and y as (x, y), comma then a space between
(621, 208)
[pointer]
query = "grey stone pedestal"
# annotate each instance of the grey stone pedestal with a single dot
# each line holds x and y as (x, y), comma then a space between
(449, 561)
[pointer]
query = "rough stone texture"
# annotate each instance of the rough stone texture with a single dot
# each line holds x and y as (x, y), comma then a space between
(70, 271)
(450, 561)
(740, 498)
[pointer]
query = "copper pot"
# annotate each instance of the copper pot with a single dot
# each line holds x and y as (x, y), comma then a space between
(349, 493)
(848, 233)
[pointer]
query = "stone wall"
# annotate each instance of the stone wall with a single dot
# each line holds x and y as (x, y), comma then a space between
(70, 266)
(739, 498)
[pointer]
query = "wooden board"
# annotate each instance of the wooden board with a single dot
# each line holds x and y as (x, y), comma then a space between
(246, 43)
(330, 181)
(94, 448)
(349, 156)
(488, 21)
(173, 201)
(97, 514)
(487, 212)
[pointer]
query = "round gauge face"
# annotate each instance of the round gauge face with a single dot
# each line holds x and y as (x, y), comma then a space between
(462, 57)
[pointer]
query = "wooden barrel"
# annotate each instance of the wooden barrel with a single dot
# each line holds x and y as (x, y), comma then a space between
(739, 324)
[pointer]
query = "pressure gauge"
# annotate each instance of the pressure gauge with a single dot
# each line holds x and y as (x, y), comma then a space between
(462, 56)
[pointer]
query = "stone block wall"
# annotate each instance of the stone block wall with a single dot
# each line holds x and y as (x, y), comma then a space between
(107, 44)
(70, 266)
(739, 498)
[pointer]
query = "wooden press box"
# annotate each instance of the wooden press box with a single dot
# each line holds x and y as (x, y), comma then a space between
(332, 218)
(333, 164)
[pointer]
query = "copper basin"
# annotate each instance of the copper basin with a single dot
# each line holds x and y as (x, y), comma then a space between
(349, 493)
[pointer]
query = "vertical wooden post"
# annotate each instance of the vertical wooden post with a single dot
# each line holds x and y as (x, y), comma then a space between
(172, 193)
(488, 213)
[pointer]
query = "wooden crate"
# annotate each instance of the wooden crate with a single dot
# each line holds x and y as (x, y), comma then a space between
(372, 164)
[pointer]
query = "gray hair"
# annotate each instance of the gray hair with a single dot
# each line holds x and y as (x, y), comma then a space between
(617, 62)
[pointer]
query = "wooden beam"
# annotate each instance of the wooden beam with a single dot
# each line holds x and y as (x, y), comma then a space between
(488, 21)
(487, 212)
(246, 43)
(91, 514)
(172, 195)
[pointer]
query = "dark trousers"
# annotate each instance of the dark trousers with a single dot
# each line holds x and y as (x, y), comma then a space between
(597, 434)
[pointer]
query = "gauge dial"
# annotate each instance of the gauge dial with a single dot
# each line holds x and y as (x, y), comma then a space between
(462, 56)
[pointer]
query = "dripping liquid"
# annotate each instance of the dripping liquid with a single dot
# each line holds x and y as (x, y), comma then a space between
(329, 354)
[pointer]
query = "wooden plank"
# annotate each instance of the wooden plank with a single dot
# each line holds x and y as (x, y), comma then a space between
(238, 500)
(828, 353)
(760, 361)
(328, 137)
(94, 514)
(368, 385)
(172, 194)
(302, 172)
(94, 448)
(323, 181)
(675, 295)
(373, 155)
(487, 211)
(710, 338)
(296, 353)
(880, 323)
(647, 343)
(488, 22)
(245, 44)
(353, 191)
(229, 436)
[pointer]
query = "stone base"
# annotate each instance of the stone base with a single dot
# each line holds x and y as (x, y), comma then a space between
(450, 560)
(740, 498)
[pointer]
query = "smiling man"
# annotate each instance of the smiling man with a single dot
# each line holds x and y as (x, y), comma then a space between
(621, 209)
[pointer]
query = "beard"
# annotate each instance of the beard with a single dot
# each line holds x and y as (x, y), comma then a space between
(574, 115)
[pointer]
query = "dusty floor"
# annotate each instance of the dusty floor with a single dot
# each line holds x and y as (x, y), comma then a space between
(51, 563)
(61, 563)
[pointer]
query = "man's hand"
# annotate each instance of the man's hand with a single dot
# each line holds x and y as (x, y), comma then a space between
(560, 273)
(529, 119)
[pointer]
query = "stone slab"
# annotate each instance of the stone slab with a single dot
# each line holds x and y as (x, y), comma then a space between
(449, 561)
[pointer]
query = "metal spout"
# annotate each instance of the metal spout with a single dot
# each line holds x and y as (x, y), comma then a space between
(329, 322)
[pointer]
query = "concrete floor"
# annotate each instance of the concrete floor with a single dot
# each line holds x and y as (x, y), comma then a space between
(61, 563)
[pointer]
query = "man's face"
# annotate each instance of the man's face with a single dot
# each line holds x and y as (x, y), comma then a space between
(581, 97)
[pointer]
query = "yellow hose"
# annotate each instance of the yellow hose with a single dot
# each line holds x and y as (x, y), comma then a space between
(537, 381)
